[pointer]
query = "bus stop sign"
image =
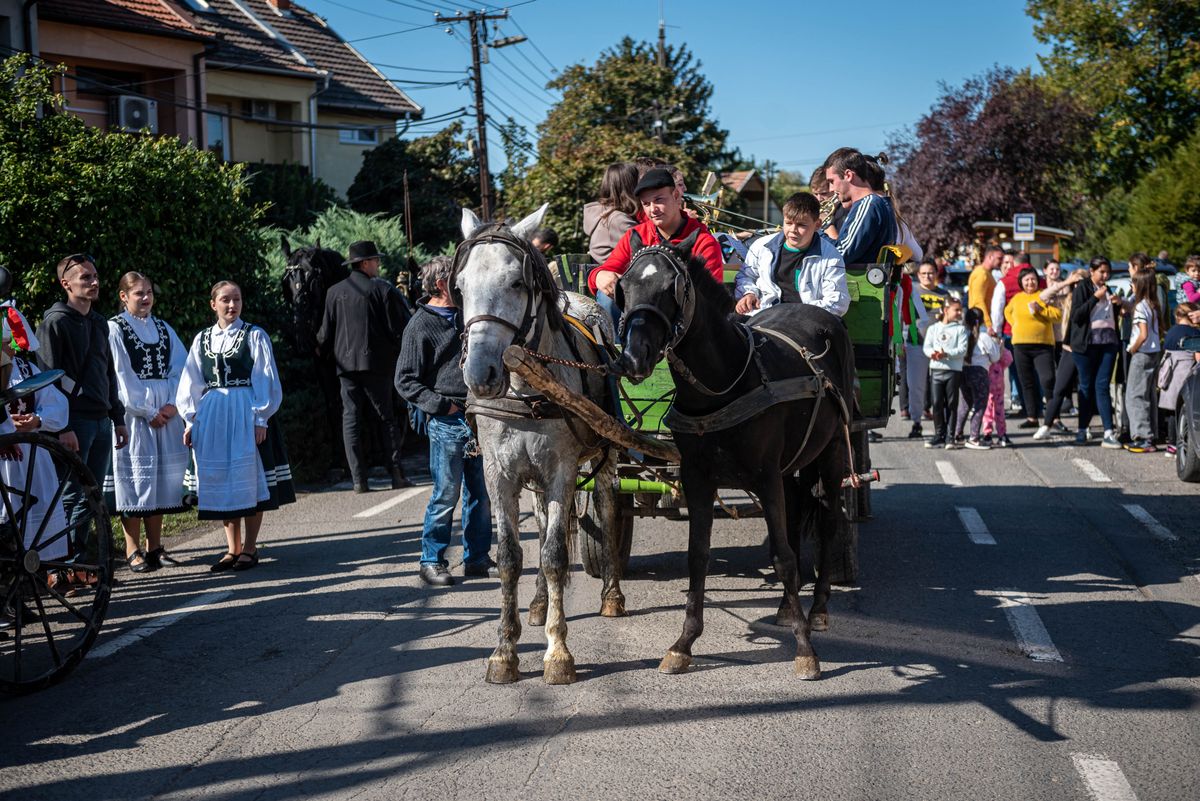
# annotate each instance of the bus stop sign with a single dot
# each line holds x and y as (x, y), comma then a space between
(1023, 227)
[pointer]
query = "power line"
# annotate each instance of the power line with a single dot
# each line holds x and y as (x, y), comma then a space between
(418, 69)
(496, 98)
(530, 62)
(531, 42)
(524, 74)
(510, 81)
(369, 13)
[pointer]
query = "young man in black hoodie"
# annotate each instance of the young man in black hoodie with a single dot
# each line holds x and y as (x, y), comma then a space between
(74, 339)
(429, 377)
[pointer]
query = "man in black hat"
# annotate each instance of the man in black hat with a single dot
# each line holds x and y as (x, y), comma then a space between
(363, 324)
(664, 222)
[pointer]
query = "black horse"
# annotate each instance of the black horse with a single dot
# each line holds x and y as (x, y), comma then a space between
(310, 272)
(754, 405)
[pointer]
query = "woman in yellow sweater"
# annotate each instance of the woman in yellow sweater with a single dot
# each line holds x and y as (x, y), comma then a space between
(1032, 324)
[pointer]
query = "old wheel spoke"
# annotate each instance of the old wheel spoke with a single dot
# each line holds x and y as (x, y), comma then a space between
(37, 598)
(65, 603)
(58, 493)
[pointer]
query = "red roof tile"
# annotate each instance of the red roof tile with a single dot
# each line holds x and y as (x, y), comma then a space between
(300, 42)
(140, 16)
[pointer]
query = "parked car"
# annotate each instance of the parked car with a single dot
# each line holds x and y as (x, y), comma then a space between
(1187, 420)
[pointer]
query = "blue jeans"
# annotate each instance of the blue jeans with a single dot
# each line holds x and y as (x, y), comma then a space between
(95, 451)
(1095, 368)
(610, 306)
(453, 472)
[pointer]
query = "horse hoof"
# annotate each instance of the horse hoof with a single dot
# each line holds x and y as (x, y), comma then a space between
(537, 616)
(560, 671)
(612, 608)
(808, 668)
(819, 621)
(785, 618)
(501, 671)
(675, 662)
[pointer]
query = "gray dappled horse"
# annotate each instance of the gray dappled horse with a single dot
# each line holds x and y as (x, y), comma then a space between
(754, 404)
(508, 296)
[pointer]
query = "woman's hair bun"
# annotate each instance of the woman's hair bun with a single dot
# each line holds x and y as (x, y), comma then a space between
(882, 158)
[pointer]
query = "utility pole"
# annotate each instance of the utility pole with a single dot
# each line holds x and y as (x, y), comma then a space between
(477, 20)
(659, 124)
(767, 194)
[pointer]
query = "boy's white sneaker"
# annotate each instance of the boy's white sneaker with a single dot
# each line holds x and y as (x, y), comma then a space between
(1042, 433)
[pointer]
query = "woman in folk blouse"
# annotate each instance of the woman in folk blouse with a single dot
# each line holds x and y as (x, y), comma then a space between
(146, 481)
(228, 397)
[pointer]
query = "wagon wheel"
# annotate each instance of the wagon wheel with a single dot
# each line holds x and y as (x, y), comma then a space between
(591, 535)
(48, 617)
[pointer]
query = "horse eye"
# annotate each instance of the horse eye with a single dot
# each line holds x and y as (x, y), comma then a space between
(518, 284)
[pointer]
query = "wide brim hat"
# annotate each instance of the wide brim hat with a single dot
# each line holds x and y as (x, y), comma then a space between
(361, 251)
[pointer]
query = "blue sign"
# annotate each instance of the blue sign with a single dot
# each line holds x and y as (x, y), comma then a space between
(1023, 227)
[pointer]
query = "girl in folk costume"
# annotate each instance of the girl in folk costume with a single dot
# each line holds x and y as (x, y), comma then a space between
(228, 396)
(147, 475)
(46, 411)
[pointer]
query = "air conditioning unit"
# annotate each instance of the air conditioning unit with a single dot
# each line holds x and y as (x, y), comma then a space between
(133, 113)
(258, 109)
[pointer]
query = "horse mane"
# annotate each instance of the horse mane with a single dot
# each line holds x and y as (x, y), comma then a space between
(543, 279)
(706, 286)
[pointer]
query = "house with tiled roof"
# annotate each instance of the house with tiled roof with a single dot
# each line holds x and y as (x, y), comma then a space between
(282, 86)
(752, 189)
(130, 63)
(256, 81)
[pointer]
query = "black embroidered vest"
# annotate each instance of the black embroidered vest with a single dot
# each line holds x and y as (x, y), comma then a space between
(150, 361)
(232, 367)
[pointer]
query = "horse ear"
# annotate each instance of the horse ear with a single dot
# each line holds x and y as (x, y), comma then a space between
(525, 228)
(684, 248)
(319, 244)
(286, 245)
(635, 241)
(470, 223)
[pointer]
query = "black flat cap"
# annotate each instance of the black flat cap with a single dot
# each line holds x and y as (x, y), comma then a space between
(656, 178)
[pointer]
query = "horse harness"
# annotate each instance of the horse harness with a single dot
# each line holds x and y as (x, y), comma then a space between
(768, 393)
(525, 335)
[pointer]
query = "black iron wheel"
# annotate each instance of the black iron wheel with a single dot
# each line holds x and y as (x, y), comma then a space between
(55, 576)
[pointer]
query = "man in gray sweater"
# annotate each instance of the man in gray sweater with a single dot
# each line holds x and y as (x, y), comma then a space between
(428, 377)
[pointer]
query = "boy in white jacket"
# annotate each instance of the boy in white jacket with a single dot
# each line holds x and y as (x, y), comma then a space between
(796, 265)
(946, 345)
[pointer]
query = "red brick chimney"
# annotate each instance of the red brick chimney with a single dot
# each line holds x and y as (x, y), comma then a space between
(282, 5)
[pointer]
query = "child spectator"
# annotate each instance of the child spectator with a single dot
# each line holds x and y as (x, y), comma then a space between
(1144, 348)
(994, 421)
(982, 353)
(1176, 367)
(1189, 291)
(946, 344)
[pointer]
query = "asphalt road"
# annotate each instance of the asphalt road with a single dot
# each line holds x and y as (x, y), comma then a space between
(1027, 627)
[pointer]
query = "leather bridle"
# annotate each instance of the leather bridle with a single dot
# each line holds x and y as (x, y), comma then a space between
(681, 289)
(528, 331)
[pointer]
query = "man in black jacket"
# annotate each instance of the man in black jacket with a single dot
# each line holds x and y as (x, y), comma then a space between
(74, 339)
(363, 324)
(429, 377)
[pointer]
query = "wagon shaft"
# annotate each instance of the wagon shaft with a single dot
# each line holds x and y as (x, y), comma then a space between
(529, 369)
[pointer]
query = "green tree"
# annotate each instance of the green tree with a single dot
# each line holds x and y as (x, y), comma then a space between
(608, 113)
(152, 204)
(289, 197)
(1163, 210)
(443, 176)
(1135, 66)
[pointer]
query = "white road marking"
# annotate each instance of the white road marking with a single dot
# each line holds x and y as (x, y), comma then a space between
(142, 632)
(977, 530)
(1091, 471)
(1103, 778)
(1146, 519)
(949, 474)
(1027, 626)
(380, 508)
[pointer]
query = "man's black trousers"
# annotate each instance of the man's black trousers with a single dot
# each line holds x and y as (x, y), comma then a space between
(368, 395)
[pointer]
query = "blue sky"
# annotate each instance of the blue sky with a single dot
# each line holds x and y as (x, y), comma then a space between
(793, 81)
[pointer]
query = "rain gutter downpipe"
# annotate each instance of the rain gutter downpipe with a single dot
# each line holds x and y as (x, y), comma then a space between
(27, 24)
(323, 84)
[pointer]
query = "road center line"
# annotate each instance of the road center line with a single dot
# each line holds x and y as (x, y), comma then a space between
(949, 474)
(977, 530)
(145, 630)
(1146, 519)
(1091, 471)
(380, 508)
(1103, 778)
(1027, 626)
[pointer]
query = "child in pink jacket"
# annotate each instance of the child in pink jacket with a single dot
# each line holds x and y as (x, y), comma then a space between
(993, 416)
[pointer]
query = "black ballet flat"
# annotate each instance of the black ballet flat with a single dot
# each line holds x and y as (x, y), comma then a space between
(144, 566)
(223, 564)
